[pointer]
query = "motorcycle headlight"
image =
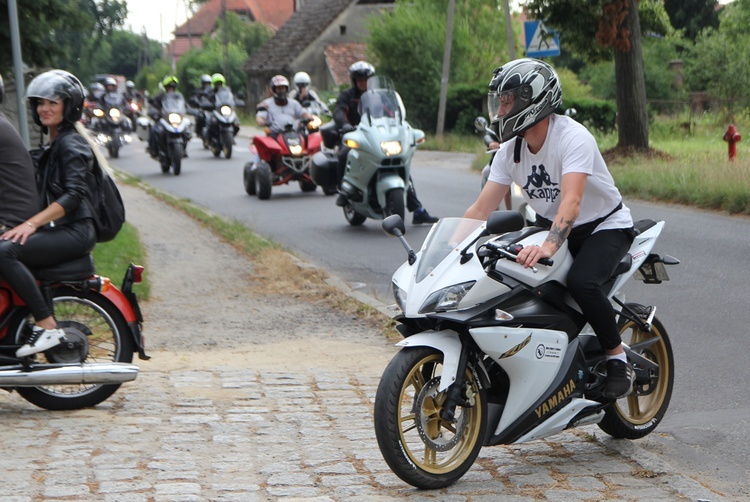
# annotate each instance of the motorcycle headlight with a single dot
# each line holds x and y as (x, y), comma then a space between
(295, 149)
(98, 112)
(390, 148)
(400, 296)
(315, 123)
(115, 114)
(134, 107)
(175, 119)
(446, 298)
(226, 110)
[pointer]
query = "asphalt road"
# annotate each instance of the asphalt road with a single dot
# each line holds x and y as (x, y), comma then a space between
(704, 306)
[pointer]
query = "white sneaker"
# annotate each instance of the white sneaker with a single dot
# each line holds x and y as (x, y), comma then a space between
(41, 340)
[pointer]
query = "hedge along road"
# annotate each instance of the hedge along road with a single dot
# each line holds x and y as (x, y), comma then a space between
(704, 307)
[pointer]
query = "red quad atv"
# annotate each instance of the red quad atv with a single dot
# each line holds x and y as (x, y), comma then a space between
(285, 155)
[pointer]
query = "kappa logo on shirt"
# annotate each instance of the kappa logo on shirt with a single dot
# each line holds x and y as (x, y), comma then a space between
(539, 185)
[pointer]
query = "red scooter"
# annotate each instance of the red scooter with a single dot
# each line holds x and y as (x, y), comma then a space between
(102, 326)
(285, 155)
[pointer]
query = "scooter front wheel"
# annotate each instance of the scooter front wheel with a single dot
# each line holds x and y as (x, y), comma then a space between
(638, 414)
(421, 447)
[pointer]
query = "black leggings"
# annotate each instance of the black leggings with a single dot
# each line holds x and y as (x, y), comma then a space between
(43, 249)
(595, 258)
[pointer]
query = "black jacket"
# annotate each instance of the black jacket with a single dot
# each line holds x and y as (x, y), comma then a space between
(63, 173)
(347, 107)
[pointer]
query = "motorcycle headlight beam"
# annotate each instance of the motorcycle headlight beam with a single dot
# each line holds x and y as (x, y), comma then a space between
(98, 112)
(174, 119)
(226, 110)
(446, 298)
(295, 149)
(391, 148)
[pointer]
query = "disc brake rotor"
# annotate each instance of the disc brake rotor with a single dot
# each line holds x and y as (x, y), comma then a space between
(430, 425)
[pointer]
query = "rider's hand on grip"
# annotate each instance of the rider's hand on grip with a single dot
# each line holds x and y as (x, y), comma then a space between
(347, 128)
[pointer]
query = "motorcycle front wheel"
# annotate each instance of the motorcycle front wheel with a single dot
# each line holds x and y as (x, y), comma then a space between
(98, 333)
(638, 414)
(175, 157)
(227, 138)
(394, 203)
(421, 447)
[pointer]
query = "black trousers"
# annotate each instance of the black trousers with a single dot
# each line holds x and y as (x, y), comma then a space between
(595, 258)
(412, 202)
(43, 249)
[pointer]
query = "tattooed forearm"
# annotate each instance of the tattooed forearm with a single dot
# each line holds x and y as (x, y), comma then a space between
(559, 232)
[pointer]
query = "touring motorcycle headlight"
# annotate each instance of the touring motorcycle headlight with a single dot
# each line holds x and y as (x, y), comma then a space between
(390, 148)
(295, 149)
(226, 110)
(115, 114)
(446, 298)
(98, 112)
(175, 119)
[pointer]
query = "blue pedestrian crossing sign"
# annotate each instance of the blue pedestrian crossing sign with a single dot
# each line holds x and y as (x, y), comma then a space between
(540, 41)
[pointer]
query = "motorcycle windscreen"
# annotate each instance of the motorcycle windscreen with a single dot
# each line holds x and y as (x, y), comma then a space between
(173, 102)
(224, 97)
(446, 237)
(381, 103)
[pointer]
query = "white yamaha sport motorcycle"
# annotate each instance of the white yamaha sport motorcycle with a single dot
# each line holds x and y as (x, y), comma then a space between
(495, 353)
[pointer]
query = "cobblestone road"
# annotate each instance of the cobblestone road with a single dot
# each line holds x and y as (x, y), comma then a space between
(238, 431)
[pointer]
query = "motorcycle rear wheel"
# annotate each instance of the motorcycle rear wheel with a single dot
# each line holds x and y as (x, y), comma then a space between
(417, 444)
(107, 339)
(263, 181)
(637, 415)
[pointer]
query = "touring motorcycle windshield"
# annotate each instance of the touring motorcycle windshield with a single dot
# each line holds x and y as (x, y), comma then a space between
(173, 103)
(444, 237)
(381, 103)
(224, 97)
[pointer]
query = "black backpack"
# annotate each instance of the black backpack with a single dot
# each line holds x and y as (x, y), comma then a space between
(107, 207)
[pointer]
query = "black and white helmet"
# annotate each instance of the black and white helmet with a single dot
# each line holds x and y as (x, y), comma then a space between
(360, 69)
(522, 93)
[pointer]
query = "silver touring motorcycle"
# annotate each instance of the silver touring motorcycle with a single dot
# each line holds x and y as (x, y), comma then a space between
(495, 353)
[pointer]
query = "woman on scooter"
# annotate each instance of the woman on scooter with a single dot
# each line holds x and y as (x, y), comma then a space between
(566, 181)
(63, 230)
(346, 115)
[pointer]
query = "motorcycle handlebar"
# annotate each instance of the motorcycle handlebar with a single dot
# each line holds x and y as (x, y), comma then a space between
(510, 251)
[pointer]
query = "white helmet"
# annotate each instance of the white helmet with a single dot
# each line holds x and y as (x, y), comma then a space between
(301, 79)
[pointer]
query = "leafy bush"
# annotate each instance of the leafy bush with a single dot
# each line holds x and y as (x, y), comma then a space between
(595, 114)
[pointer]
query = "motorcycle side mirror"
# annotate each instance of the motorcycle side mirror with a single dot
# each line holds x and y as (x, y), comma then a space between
(394, 225)
(501, 222)
(480, 124)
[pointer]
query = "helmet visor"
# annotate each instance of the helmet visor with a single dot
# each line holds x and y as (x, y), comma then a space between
(504, 104)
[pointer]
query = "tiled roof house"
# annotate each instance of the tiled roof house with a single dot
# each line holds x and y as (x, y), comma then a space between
(273, 13)
(322, 38)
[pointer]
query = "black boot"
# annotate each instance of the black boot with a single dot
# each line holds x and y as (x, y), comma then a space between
(422, 216)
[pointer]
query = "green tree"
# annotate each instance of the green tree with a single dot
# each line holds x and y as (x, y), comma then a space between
(692, 16)
(407, 45)
(616, 27)
(718, 61)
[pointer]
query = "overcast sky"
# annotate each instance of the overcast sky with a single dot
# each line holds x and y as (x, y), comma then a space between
(158, 17)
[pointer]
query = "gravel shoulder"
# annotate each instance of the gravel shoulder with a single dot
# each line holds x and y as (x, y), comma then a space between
(206, 309)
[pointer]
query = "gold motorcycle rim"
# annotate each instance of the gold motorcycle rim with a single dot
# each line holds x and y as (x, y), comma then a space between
(640, 409)
(458, 443)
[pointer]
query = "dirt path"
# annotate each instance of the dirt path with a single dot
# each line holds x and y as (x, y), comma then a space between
(204, 308)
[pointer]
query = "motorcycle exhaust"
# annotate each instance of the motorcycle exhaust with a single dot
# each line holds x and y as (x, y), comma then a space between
(74, 374)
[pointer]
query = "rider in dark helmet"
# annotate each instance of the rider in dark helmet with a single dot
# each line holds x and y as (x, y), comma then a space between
(64, 229)
(566, 181)
(346, 115)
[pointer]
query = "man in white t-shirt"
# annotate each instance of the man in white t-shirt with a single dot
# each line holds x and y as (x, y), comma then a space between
(565, 180)
(274, 112)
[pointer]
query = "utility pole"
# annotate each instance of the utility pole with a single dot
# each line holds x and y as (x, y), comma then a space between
(15, 42)
(446, 68)
(509, 31)
(225, 38)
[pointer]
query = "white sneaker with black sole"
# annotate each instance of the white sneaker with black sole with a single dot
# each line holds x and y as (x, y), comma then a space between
(41, 339)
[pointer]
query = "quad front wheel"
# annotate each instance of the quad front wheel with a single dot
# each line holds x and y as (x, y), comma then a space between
(248, 178)
(638, 414)
(418, 444)
(263, 181)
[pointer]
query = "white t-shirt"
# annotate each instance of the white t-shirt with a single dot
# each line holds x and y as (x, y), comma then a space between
(275, 115)
(568, 148)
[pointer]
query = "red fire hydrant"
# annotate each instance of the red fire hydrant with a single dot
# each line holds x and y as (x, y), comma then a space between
(732, 137)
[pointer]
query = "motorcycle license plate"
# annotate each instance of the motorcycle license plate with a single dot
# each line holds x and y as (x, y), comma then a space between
(652, 273)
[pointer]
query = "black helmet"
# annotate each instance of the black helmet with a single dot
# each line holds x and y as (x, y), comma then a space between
(56, 85)
(2, 89)
(528, 90)
(360, 69)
